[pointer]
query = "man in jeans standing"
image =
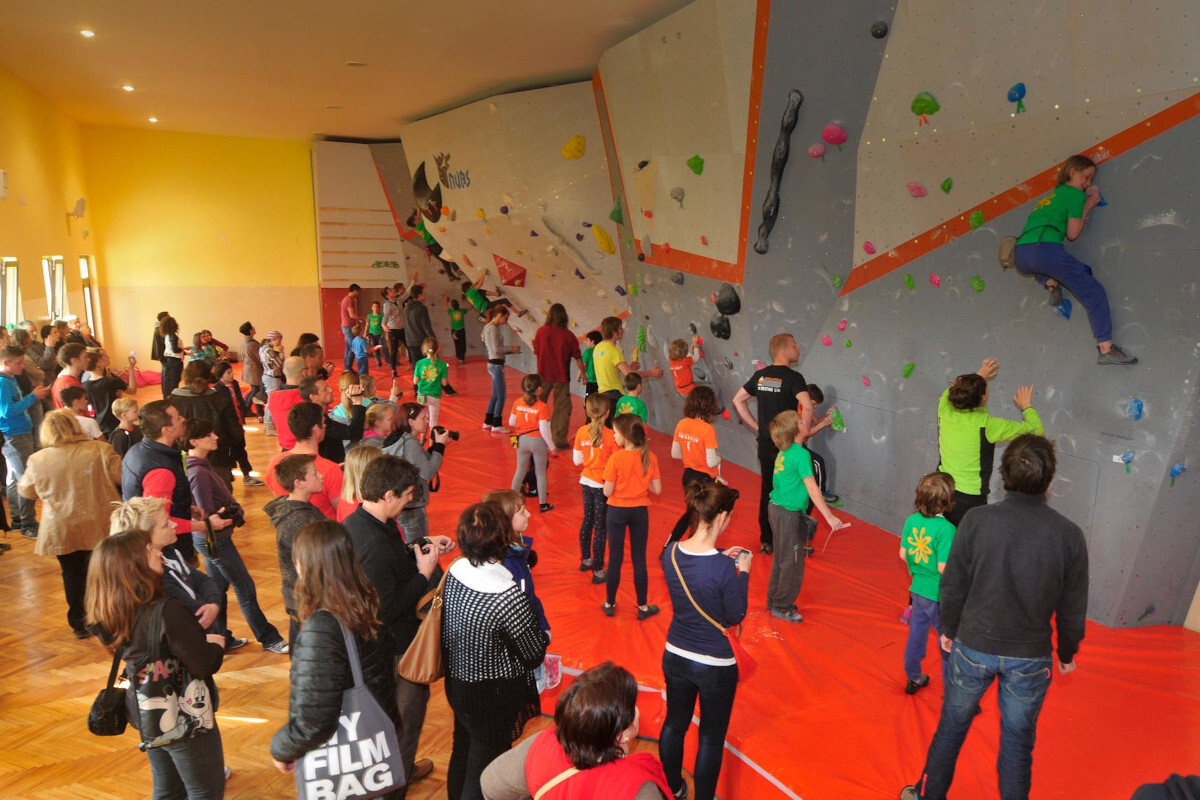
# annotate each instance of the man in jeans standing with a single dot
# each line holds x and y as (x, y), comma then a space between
(18, 435)
(1013, 566)
(349, 318)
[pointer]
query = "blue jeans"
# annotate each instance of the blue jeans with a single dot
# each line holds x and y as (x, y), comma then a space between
(347, 354)
(926, 614)
(495, 406)
(1051, 260)
(17, 450)
(193, 769)
(228, 569)
(1023, 685)
(716, 687)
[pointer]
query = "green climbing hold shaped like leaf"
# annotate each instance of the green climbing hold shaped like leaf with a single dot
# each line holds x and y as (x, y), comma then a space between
(908, 369)
(925, 103)
(908, 281)
(617, 215)
(947, 185)
(976, 219)
(836, 281)
(836, 421)
(848, 343)
(977, 283)
(696, 164)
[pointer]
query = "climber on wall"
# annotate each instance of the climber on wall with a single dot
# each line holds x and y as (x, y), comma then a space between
(1041, 254)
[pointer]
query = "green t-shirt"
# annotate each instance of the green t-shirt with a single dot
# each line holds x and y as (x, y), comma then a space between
(375, 324)
(458, 318)
(926, 542)
(588, 365)
(792, 466)
(428, 375)
(632, 405)
(1048, 222)
(605, 357)
(964, 452)
(476, 299)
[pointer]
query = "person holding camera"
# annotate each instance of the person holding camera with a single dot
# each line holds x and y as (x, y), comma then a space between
(412, 423)
(222, 561)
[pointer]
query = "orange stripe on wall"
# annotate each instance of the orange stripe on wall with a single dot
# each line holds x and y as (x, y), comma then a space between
(682, 260)
(1006, 201)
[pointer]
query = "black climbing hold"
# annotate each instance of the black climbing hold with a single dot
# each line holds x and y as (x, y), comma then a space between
(779, 160)
(692, 328)
(719, 325)
(643, 164)
(879, 29)
(641, 256)
(727, 300)
(728, 364)
(677, 279)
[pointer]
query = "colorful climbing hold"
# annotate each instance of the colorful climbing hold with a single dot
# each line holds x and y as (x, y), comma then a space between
(834, 134)
(1102, 202)
(696, 164)
(1127, 458)
(868, 248)
(647, 213)
(836, 421)
(445, 211)
(703, 240)
(621, 290)
(825, 340)
(1063, 309)
(909, 282)
(842, 325)
(726, 300)
(575, 147)
(677, 279)
(923, 105)
(908, 370)
(879, 29)
(976, 219)
(533, 233)
(977, 283)
(1176, 471)
(579, 274)
(472, 242)
(847, 343)
(633, 289)
(1134, 408)
(604, 240)
(617, 214)
(836, 280)
(935, 280)
(586, 224)
(666, 247)
(641, 338)
(441, 229)
(1017, 95)
(947, 185)
(579, 237)
(677, 195)
(915, 189)
(629, 240)
(866, 380)
(479, 212)
(817, 151)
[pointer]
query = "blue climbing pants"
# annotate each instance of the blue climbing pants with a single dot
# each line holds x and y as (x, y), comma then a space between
(1051, 260)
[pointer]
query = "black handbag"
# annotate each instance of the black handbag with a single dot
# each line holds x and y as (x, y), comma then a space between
(109, 714)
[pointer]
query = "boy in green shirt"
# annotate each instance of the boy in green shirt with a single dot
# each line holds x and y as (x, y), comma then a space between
(631, 402)
(794, 491)
(589, 362)
(925, 543)
(458, 329)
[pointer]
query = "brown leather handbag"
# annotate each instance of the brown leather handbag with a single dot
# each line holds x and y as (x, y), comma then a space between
(422, 661)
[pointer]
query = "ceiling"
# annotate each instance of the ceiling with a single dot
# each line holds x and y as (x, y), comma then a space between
(272, 68)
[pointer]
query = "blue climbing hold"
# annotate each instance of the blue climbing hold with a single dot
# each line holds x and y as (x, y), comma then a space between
(1102, 202)
(1063, 309)
(1017, 95)
(1134, 408)
(1176, 471)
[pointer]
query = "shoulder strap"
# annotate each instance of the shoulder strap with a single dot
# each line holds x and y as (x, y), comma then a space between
(555, 781)
(352, 654)
(155, 632)
(116, 666)
(688, 592)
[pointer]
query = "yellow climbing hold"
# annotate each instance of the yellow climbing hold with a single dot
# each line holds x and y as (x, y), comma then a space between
(479, 212)
(604, 240)
(575, 147)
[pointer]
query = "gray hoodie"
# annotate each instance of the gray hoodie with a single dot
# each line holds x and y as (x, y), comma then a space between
(288, 517)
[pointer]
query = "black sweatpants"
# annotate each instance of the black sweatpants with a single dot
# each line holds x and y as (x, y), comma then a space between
(766, 467)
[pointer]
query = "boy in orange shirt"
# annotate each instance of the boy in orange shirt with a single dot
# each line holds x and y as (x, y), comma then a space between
(594, 444)
(695, 444)
(530, 422)
(684, 359)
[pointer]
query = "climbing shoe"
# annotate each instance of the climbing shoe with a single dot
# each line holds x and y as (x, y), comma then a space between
(1115, 356)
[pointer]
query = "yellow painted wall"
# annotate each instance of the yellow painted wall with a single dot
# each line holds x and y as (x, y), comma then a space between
(41, 151)
(214, 229)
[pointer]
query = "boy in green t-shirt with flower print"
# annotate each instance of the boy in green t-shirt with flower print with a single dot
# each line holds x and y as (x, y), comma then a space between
(925, 543)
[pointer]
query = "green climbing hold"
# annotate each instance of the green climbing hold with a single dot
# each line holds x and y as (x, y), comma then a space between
(629, 240)
(617, 215)
(923, 105)
(908, 369)
(836, 421)
(947, 185)
(977, 283)
(848, 343)
(976, 219)
(641, 338)
(633, 289)
(908, 281)
(836, 280)
(696, 164)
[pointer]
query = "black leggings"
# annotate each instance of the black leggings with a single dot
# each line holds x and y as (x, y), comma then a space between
(681, 527)
(593, 533)
(395, 339)
(637, 519)
(74, 577)
(460, 344)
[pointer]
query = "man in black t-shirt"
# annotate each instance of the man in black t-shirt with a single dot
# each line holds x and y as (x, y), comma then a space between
(776, 388)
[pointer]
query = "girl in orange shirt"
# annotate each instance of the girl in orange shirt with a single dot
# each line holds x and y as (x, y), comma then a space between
(630, 476)
(695, 444)
(530, 422)
(594, 444)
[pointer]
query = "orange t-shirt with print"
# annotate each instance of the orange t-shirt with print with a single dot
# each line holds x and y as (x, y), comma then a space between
(528, 416)
(595, 458)
(681, 373)
(631, 486)
(695, 436)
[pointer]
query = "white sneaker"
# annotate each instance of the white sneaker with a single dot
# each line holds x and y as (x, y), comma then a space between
(500, 429)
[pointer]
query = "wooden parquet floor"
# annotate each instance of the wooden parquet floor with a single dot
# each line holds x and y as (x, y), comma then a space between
(48, 680)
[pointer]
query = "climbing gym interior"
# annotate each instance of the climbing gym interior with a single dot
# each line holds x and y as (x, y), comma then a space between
(727, 169)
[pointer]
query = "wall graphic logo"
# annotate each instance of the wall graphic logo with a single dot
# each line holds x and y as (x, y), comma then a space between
(452, 180)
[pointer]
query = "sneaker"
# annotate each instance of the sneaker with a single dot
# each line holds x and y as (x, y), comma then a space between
(500, 429)
(646, 612)
(280, 647)
(269, 430)
(1115, 356)
(682, 793)
(1056, 295)
(767, 548)
(585, 565)
(487, 426)
(420, 769)
(228, 773)
(544, 507)
(830, 497)
(790, 615)
(529, 492)
(912, 687)
(609, 609)
(599, 576)
(907, 615)
(909, 793)
(235, 643)
(30, 533)
(249, 481)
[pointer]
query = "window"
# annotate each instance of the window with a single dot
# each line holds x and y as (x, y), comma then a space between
(11, 311)
(85, 278)
(56, 286)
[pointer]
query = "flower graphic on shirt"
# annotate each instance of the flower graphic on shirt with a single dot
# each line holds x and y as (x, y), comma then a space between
(920, 545)
(429, 373)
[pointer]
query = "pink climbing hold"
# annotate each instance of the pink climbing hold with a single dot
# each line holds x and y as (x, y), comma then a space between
(759, 364)
(825, 340)
(817, 151)
(868, 248)
(866, 381)
(649, 214)
(834, 134)
(935, 280)
(703, 239)
(915, 189)
(842, 325)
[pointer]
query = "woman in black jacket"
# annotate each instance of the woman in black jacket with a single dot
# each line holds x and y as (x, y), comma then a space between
(331, 590)
(197, 399)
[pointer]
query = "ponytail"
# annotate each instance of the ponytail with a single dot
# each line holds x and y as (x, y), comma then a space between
(597, 407)
(631, 429)
(530, 385)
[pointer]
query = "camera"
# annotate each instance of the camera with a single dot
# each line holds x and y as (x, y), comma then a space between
(438, 429)
(423, 544)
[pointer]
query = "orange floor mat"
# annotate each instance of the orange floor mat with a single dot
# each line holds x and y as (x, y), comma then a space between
(826, 717)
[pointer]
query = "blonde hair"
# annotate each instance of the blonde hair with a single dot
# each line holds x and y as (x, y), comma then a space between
(357, 460)
(633, 432)
(348, 378)
(430, 347)
(778, 342)
(367, 382)
(123, 404)
(377, 411)
(135, 514)
(679, 349)
(597, 407)
(784, 428)
(60, 427)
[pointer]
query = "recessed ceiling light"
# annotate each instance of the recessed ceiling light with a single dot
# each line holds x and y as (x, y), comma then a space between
(356, 63)
(153, 120)
(127, 88)
(87, 34)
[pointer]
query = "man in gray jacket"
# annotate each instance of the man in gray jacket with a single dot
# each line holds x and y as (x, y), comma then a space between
(416, 322)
